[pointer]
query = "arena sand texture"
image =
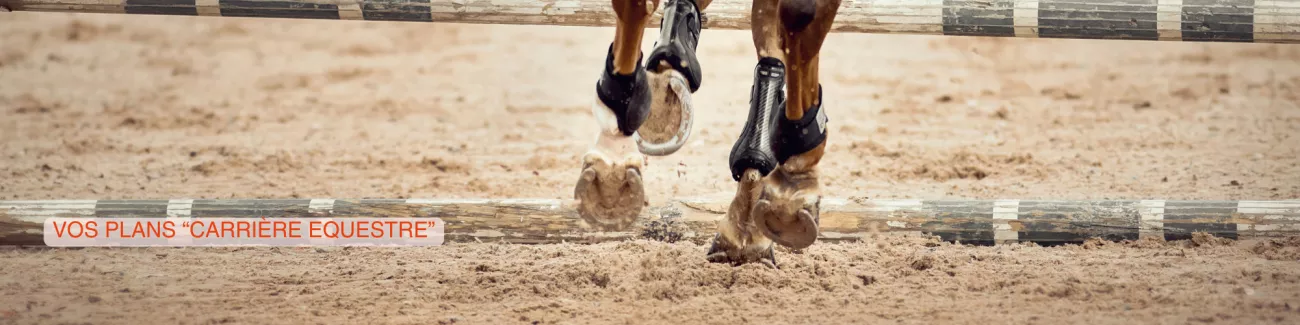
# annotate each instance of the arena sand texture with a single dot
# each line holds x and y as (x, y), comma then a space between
(150, 107)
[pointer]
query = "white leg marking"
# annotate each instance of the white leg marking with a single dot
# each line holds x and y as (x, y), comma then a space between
(605, 118)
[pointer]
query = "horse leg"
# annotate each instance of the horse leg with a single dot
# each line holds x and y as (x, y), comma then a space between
(674, 74)
(641, 110)
(775, 158)
(609, 191)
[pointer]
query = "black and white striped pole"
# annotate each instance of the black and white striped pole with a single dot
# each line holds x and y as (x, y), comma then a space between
(979, 222)
(1264, 21)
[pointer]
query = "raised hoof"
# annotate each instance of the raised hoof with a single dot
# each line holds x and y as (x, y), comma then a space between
(671, 119)
(722, 251)
(788, 210)
(610, 193)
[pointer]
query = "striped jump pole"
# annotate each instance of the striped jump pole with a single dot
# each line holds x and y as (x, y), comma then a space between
(1268, 21)
(978, 222)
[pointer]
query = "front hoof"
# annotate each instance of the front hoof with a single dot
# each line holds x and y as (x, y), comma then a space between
(672, 115)
(788, 210)
(610, 195)
(723, 251)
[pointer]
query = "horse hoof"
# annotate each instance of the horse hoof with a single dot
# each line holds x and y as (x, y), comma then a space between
(788, 209)
(669, 125)
(723, 252)
(610, 193)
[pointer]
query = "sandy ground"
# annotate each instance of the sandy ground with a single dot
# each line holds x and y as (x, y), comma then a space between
(112, 107)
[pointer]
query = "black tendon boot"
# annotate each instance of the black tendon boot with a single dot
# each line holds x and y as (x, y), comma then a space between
(680, 33)
(804, 135)
(753, 150)
(628, 96)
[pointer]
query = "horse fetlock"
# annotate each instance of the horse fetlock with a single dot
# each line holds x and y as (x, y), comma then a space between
(610, 193)
(727, 250)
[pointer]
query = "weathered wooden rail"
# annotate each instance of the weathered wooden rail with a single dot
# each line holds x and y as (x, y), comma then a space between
(1273, 21)
(980, 222)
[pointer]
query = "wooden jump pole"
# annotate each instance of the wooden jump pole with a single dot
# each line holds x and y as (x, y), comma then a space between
(980, 222)
(1271, 21)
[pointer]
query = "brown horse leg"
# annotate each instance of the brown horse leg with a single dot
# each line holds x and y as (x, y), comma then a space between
(609, 191)
(632, 18)
(788, 209)
(782, 206)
